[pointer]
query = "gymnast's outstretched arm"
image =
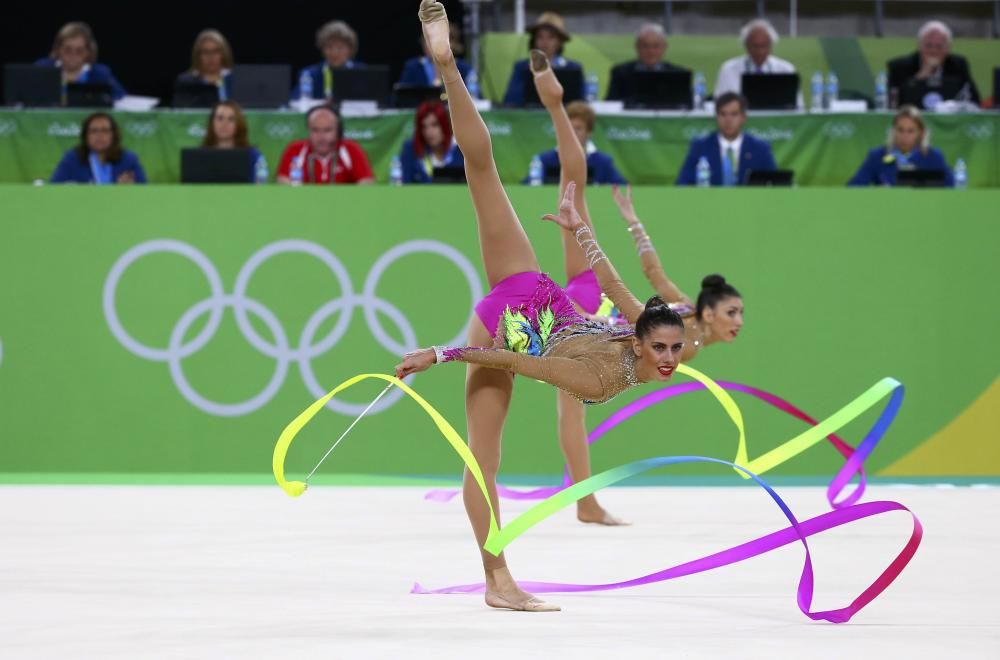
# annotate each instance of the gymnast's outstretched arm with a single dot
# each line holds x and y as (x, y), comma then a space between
(651, 266)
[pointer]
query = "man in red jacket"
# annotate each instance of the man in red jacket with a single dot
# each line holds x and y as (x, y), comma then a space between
(326, 157)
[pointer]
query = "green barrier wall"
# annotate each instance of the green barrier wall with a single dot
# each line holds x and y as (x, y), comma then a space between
(823, 149)
(841, 289)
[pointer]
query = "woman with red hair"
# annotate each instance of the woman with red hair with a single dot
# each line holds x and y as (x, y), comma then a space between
(432, 145)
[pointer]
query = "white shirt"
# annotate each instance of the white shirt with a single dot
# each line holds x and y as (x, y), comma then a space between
(724, 144)
(730, 78)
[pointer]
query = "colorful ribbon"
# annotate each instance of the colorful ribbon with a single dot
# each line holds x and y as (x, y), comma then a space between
(837, 485)
(499, 538)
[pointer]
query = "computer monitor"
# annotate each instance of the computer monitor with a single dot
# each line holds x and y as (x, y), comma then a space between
(207, 165)
(771, 91)
(89, 95)
(662, 90)
(926, 94)
(261, 85)
(448, 174)
(367, 83)
(572, 83)
(996, 88)
(411, 96)
(195, 94)
(921, 178)
(32, 86)
(781, 178)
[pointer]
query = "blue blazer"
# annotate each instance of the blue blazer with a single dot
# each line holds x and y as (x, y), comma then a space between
(875, 171)
(415, 167)
(522, 74)
(98, 73)
(316, 73)
(755, 154)
(71, 170)
(600, 167)
(415, 71)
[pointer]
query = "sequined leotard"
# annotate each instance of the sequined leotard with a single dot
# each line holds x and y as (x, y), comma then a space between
(544, 338)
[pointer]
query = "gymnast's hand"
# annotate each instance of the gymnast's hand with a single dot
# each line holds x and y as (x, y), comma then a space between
(568, 218)
(416, 361)
(624, 202)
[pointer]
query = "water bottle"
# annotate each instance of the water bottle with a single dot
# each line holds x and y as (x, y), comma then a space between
(305, 85)
(591, 87)
(535, 172)
(703, 173)
(699, 90)
(260, 170)
(296, 171)
(961, 175)
(395, 171)
(472, 83)
(881, 91)
(816, 91)
(832, 89)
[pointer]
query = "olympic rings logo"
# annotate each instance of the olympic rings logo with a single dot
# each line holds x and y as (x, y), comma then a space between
(280, 349)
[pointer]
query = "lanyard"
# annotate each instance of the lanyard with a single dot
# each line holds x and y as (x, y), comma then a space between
(100, 171)
(750, 67)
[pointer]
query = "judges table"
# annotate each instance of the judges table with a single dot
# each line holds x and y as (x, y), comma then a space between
(824, 149)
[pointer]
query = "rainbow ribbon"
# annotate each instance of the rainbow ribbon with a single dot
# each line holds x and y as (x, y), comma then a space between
(645, 402)
(498, 538)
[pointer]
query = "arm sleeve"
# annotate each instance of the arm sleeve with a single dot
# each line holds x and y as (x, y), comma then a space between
(140, 173)
(687, 174)
(62, 173)
(607, 277)
(285, 164)
(362, 169)
(866, 173)
(653, 269)
(573, 376)
(515, 89)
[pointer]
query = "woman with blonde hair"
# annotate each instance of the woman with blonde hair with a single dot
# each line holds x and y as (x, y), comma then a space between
(74, 52)
(907, 147)
(211, 62)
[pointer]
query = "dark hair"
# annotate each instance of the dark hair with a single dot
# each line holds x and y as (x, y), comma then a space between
(534, 35)
(240, 138)
(437, 109)
(114, 151)
(729, 97)
(713, 289)
(655, 314)
(330, 108)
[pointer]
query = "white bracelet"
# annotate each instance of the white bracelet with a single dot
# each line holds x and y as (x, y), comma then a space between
(439, 357)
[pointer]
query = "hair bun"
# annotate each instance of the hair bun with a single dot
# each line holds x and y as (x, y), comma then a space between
(655, 301)
(714, 281)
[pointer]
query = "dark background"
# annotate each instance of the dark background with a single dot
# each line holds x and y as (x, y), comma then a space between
(147, 44)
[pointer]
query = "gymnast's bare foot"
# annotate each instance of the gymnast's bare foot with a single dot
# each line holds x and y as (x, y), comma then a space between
(503, 593)
(589, 511)
(436, 32)
(550, 90)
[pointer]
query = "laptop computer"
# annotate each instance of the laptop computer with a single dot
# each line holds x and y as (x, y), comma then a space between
(921, 178)
(89, 95)
(925, 95)
(411, 96)
(207, 165)
(195, 94)
(661, 90)
(778, 178)
(367, 83)
(572, 83)
(32, 86)
(261, 85)
(996, 88)
(771, 91)
(448, 174)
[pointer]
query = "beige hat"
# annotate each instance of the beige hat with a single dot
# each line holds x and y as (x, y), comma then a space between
(553, 21)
